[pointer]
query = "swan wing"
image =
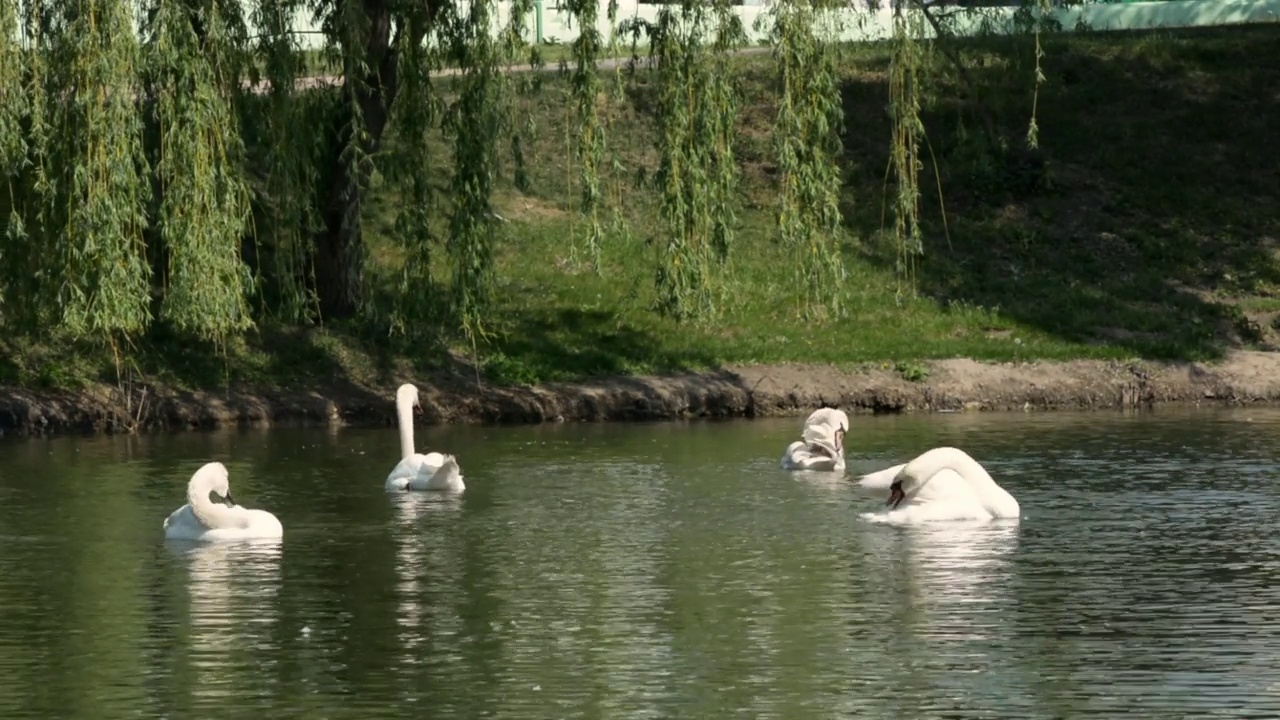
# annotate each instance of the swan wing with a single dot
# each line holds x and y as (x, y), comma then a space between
(445, 476)
(262, 524)
(802, 456)
(806, 459)
(182, 524)
(881, 479)
(947, 496)
(821, 433)
(411, 467)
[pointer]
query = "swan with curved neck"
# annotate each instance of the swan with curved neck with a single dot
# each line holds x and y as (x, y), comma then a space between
(822, 443)
(942, 484)
(203, 519)
(416, 471)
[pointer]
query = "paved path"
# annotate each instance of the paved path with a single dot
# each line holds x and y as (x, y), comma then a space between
(613, 63)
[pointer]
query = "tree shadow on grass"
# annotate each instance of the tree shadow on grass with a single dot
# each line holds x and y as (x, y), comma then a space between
(1141, 223)
(571, 343)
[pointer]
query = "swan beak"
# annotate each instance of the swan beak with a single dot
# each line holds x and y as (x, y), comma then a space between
(228, 501)
(896, 496)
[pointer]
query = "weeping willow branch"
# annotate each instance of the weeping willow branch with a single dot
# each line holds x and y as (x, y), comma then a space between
(477, 120)
(1033, 127)
(906, 64)
(13, 147)
(96, 260)
(807, 140)
(13, 144)
(286, 204)
(204, 201)
(942, 35)
(697, 111)
(418, 110)
(31, 191)
(585, 86)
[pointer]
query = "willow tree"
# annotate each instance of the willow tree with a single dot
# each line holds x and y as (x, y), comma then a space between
(286, 128)
(698, 176)
(807, 140)
(13, 145)
(906, 65)
(362, 41)
(194, 61)
(92, 186)
(418, 110)
(585, 86)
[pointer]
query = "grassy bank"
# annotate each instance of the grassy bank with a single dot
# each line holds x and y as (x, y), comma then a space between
(1144, 226)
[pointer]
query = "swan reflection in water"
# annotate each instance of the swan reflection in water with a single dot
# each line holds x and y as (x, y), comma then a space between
(428, 561)
(233, 589)
(955, 576)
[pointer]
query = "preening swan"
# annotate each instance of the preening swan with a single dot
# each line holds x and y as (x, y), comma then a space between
(203, 519)
(822, 446)
(415, 471)
(942, 484)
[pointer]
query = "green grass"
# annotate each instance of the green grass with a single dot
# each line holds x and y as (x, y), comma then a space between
(1144, 226)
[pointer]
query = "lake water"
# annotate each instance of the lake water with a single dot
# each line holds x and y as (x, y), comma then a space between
(650, 571)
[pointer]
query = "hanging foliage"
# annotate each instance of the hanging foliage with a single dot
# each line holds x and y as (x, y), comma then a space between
(204, 201)
(1033, 127)
(13, 144)
(807, 140)
(477, 120)
(284, 174)
(288, 138)
(585, 86)
(13, 106)
(905, 69)
(25, 267)
(697, 114)
(95, 215)
(418, 110)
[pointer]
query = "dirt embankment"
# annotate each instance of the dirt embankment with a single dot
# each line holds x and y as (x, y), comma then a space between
(747, 391)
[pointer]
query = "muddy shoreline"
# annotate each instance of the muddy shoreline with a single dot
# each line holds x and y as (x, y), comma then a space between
(1244, 377)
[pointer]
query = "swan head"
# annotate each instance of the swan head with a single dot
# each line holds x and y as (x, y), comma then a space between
(896, 494)
(407, 394)
(956, 464)
(212, 478)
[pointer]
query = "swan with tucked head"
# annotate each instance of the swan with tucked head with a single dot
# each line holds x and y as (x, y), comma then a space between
(203, 519)
(822, 443)
(416, 471)
(942, 484)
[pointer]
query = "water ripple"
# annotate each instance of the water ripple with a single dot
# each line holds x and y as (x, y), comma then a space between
(651, 571)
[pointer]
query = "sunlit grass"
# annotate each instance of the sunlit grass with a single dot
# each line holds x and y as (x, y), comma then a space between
(1145, 226)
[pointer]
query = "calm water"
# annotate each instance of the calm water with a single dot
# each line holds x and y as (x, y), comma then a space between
(650, 571)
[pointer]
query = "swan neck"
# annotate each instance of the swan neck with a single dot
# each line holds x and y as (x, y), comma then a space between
(404, 417)
(210, 514)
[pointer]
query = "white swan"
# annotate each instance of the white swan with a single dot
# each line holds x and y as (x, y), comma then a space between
(203, 519)
(822, 446)
(942, 484)
(415, 471)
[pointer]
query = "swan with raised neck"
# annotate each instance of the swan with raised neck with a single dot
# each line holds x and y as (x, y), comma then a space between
(417, 471)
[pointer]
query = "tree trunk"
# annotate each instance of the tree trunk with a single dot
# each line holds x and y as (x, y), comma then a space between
(339, 247)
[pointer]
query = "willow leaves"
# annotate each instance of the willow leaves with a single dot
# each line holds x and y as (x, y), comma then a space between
(203, 197)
